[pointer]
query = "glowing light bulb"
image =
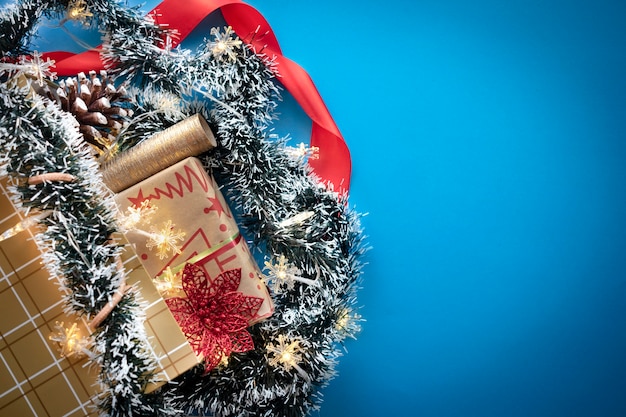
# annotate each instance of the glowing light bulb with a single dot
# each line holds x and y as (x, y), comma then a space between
(24, 224)
(73, 13)
(78, 10)
(168, 284)
(284, 275)
(70, 341)
(165, 239)
(288, 355)
(225, 45)
(296, 220)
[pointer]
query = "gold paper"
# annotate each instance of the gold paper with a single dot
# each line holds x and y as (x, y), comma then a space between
(185, 195)
(171, 349)
(190, 137)
(35, 380)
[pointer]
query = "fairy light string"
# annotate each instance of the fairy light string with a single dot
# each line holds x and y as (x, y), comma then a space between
(71, 343)
(264, 180)
(288, 354)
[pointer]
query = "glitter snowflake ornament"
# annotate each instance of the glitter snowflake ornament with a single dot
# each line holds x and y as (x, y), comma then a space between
(283, 275)
(33, 67)
(286, 354)
(225, 45)
(71, 343)
(78, 10)
(348, 323)
(136, 215)
(165, 239)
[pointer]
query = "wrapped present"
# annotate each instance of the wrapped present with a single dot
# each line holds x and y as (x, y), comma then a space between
(185, 220)
(171, 349)
(35, 379)
(44, 363)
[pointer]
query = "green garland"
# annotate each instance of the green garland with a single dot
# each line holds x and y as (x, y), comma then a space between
(267, 185)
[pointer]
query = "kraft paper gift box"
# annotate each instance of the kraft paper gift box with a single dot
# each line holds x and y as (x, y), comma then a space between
(35, 379)
(171, 349)
(190, 200)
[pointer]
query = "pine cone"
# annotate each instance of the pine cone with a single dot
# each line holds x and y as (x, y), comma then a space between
(100, 108)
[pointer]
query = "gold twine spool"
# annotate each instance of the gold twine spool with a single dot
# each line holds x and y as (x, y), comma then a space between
(189, 137)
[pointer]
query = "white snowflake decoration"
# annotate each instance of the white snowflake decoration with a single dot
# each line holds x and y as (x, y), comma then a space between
(78, 10)
(283, 275)
(225, 44)
(303, 151)
(71, 343)
(39, 68)
(135, 215)
(32, 67)
(168, 284)
(347, 323)
(165, 239)
(287, 354)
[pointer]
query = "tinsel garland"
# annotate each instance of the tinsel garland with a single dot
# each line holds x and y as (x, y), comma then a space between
(35, 138)
(283, 208)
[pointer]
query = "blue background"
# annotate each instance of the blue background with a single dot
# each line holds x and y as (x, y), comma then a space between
(488, 145)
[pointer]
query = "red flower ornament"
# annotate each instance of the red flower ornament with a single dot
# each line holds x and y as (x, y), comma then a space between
(214, 316)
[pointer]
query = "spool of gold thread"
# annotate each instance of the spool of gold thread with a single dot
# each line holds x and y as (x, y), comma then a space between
(189, 137)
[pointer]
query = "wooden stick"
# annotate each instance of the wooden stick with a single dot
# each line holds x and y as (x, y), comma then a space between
(51, 176)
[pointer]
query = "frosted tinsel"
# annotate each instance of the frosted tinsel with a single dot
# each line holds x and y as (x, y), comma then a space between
(285, 211)
(41, 138)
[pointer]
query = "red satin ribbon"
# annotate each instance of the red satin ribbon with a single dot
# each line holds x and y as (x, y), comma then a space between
(334, 163)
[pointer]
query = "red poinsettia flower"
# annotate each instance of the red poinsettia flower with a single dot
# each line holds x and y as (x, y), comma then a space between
(214, 316)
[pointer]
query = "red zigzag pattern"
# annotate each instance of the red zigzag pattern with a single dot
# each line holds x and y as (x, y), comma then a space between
(184, 183)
